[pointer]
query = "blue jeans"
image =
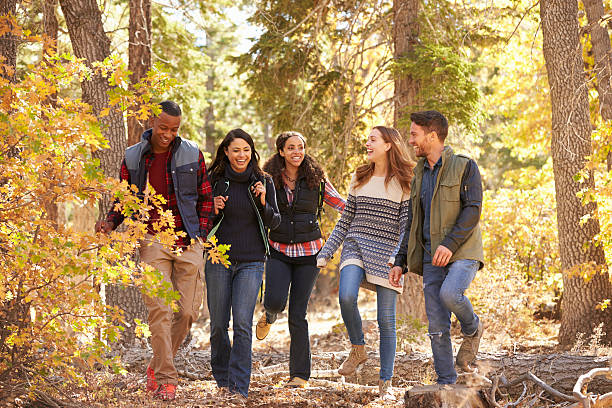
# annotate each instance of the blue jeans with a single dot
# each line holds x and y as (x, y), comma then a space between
(234, 290)
(350, 278)
(444, 288)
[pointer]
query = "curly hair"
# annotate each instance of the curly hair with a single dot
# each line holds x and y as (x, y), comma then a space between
(400, 164)
(309, 168)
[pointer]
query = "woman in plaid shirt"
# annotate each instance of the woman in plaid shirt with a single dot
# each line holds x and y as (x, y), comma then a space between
(301, 189)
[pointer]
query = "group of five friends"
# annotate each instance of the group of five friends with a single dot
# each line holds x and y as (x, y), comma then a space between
(398, 217)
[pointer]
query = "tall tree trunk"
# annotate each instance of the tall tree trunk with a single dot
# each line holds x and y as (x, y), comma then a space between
(50, 31)
(209, 121)
(571, 142)
(269, 138)
(50, 27)
(139, 55)
(600, 39)
(89, 41)
(8, 43)
(405, 37)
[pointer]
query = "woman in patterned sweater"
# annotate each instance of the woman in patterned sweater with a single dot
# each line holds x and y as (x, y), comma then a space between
(374, 217)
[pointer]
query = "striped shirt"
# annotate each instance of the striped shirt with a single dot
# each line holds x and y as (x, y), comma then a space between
(369, 229)
(331, 198)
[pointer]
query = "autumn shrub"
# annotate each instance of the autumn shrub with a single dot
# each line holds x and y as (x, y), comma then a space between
(523, 268)
(601, 193)
(53, 322)
(520, 225)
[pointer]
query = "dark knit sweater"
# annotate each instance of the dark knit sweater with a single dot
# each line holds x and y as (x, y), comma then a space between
(240, 227)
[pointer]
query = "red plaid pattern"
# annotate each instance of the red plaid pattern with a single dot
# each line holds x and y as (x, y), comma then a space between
(204, 206)
(331, 198)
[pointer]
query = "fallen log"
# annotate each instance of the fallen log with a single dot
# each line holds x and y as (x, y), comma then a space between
(447, 396)
(560, 371)
(586, 399)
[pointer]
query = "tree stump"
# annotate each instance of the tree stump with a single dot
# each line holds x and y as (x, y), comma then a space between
(446, 396)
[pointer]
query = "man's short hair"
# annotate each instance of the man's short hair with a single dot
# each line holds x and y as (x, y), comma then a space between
(171, 108)
(432, 121)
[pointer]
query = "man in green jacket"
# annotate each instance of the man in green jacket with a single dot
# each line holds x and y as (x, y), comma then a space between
(442, 240)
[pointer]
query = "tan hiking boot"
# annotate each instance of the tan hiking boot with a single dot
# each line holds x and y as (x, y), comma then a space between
(469, 348)
(385, 390)
(296, 382)
(263, 327)
(357, 357)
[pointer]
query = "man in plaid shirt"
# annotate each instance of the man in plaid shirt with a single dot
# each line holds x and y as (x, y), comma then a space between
(175, 169)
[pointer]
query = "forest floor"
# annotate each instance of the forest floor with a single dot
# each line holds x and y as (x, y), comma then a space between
(329, 343)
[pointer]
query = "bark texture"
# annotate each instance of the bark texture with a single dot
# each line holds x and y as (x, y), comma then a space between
(139, 50)
(209, 121)
(50, 31)
(571, 143)
(405, 37)
(8, 43)
(450, 396)
(600, 40)
(89, 41)
(50, 27)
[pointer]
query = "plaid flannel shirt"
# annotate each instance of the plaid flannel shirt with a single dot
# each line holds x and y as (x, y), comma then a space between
(332, 198)
(204, 206)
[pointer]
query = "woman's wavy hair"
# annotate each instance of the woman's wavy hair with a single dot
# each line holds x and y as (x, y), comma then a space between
(217, 169)
(400, 164)
(309, 169)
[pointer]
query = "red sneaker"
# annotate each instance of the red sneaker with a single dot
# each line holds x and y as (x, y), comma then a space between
(151, 383)
(166, 392)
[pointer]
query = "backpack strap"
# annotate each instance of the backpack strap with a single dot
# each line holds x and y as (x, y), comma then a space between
(218, 223)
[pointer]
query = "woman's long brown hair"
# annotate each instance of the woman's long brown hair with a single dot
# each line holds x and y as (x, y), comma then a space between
(400, 165)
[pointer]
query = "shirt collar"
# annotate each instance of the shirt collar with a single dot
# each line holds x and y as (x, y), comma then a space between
(438, 163)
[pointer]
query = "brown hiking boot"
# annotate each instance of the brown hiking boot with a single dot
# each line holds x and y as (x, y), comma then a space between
(357, 357)
(385, 390)
(469, 349)
(296, 382)
(263, 327)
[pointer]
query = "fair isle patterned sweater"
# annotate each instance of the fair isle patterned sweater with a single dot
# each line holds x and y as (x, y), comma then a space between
(370, 227)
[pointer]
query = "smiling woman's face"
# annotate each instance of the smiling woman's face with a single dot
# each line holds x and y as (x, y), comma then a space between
(239, 154)
(293, 151)
(376, 146)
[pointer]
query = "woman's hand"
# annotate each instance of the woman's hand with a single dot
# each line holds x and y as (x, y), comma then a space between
(321, 262)
(219, 202)
(394, 276)
(260, 191)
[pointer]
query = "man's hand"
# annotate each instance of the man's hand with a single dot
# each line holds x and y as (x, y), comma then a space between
(395, 275)
(442, 256)
(104, 226)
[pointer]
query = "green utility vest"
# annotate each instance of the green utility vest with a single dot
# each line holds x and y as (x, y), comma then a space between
(445, 208)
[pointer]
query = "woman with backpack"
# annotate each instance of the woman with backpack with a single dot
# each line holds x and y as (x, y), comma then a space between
(291, 270)
(245, 208)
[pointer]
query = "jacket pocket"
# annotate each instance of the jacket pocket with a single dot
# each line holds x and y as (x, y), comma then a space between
(450, 191)
(187, 178)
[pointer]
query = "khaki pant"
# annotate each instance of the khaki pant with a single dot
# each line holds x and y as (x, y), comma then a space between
(169, 329)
